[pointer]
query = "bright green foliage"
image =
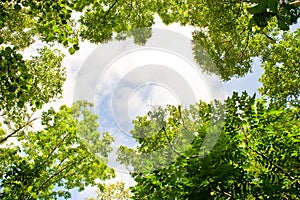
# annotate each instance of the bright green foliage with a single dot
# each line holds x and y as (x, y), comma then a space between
(60, 157)
(225, 39)
(224, 29)
(113, 191)
(28, 84)
(165, 134)
(255, 157)
(281, 77)
(230, 33)
(226, 36)
(102, 19)
(23, 20)
(16, 27)
(264, 10)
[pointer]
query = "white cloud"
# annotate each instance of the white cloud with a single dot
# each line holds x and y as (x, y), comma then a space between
(148, 96)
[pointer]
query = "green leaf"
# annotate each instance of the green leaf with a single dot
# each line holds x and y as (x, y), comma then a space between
(38, 105)
(258, 9)
(282, 24)
(76, 47)
(273, 5)
(72, 50)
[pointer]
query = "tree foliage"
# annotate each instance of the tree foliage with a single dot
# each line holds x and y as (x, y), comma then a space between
(255, 157)
(22, 21)
(112, 191)
(60, 157)
(26, 85)
(230, 33)
(281, 66)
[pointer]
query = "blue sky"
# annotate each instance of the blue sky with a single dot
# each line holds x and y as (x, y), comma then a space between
(249, 83)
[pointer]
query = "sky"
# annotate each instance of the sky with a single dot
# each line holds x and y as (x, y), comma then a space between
(124, 81)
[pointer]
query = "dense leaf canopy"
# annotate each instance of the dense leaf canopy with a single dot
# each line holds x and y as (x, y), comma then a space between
(255, 157)
(257, 152)
(62, 156)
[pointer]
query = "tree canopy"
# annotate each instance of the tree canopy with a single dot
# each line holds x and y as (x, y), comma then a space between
(256, 155)
(112, 191)
(59, 157)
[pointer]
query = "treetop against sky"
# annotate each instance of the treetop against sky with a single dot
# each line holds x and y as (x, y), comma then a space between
(244, 147)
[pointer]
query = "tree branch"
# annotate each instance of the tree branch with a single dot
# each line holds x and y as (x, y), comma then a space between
(272, 40)
(57, 145)
(55, 174)
(17, 130)
(109, 9)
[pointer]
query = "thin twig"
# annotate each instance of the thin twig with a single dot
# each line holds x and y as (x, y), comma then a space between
(17, 130)
(109, 9)
(268, 37)
(55, 174)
